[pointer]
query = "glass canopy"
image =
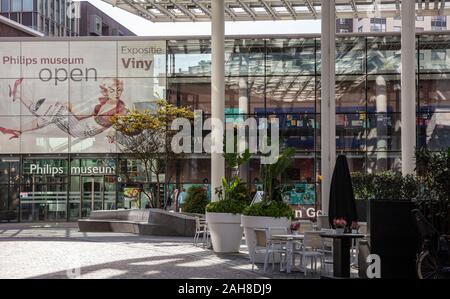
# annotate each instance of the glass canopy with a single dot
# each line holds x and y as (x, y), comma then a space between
(260, 10)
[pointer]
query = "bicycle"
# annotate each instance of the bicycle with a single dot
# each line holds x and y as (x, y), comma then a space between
(433, 262)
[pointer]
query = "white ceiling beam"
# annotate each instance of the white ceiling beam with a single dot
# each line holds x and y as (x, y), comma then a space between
(311, 8)
(269, 9)
(290, 9)
(140, 9)
(247, 9)
(163, 10)
(184, 10)
(203, 7)
(230, 13)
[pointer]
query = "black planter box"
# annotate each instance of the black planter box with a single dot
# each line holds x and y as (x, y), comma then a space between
(361, 210)
(394, 237)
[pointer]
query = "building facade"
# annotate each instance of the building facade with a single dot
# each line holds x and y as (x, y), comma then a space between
(47, 16)
(9, 28)
(59, 164)
(94, 22)
(62, 18)
(392, 24)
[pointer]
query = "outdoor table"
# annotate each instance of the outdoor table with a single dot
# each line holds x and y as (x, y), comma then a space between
(289, 239)
(341, 252)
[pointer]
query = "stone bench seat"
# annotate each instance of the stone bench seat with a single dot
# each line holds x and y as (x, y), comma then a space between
(143, 222)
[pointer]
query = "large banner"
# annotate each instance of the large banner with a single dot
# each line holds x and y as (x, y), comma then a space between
(59, 97)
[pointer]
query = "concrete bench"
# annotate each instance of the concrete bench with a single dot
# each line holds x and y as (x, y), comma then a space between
(144, 222)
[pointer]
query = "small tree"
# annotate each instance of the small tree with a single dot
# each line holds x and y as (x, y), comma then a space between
(147, 136)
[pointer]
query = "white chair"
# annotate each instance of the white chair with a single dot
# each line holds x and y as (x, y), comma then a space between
(264, 244)
(312, 249)
(201, 230)
(327, 251)
(305, 225)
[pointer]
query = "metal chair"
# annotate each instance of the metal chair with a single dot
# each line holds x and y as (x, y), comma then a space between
(265, 244)
(201, 230)
(327, 251)
(311, 248)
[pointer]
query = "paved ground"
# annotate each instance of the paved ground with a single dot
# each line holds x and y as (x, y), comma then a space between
(61, 251)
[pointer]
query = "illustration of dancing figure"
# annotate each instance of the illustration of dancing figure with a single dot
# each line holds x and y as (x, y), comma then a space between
(62, 115)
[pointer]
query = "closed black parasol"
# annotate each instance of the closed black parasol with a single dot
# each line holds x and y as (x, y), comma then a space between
(342, 201)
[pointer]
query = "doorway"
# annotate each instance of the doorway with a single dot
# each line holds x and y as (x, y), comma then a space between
(91, 194)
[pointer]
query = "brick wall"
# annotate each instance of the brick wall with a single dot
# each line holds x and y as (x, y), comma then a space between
(8, 31)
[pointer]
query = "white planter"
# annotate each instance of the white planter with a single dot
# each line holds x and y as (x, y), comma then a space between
(226, 231)
(251, 222)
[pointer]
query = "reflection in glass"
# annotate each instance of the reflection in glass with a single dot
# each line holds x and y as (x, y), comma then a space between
(382, 161)
(350, 94)
(350, 55)
(434, 92)
(290, 56)
(244, 57)
(290, 94)
(351, 131)
(384, 93)
(189, 58)
(434, 130)
(434, 53)
(384, 132)
(383, 54)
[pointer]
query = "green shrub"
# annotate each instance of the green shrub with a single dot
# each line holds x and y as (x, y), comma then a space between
(387, 185)
(196, 200)
(274, 209)
(226, 206)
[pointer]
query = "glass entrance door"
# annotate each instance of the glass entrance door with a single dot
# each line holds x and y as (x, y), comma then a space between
(91, 194)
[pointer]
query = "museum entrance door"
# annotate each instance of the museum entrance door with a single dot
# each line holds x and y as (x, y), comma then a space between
(92, 188)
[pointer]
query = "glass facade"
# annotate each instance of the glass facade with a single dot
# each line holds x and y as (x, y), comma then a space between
(53, 107)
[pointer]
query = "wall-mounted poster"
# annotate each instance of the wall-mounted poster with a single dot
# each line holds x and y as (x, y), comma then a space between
(132, 196)
(62, 101)
(302, 194)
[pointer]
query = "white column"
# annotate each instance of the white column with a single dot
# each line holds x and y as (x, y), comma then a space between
(408, 102)
(217, 87)
(328, 101)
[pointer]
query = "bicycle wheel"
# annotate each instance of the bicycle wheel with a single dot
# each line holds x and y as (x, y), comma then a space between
(427, 266)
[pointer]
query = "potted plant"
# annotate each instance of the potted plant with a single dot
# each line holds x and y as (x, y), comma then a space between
(340, 224)
(196, 200)
(393, 234)
(224, 216)
(271, 211)
(295, 227)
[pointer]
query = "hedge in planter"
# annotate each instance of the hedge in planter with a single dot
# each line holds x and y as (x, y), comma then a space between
(226, 206)
(275, 209)
(196, 200)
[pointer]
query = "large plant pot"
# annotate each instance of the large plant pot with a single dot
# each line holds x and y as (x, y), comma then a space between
(361, 210)
(226, 231)
(249, 223)
(394, 237)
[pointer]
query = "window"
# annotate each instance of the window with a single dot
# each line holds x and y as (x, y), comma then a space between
(397, 28)
(439, 23)
(420, 29)
(16, 5)
(343, 31)
(420, 18)
(378, 25)
(438, 55)
(5, 6)
(27, 5)
(360, 29)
